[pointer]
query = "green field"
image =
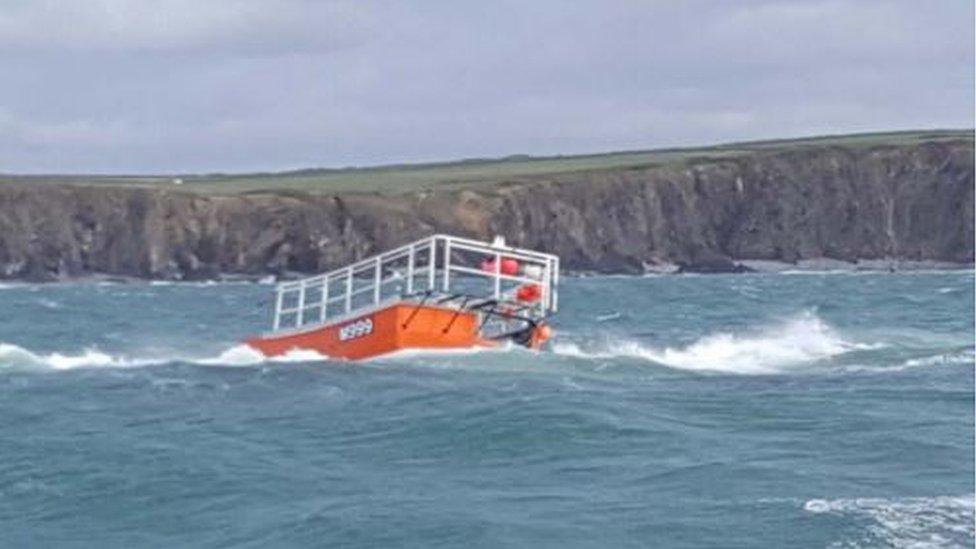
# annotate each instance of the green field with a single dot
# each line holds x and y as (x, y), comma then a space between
(473, 173)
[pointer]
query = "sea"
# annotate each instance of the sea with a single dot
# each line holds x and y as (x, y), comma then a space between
(803, 409)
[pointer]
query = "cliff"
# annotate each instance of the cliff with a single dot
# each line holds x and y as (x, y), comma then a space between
(909, 200)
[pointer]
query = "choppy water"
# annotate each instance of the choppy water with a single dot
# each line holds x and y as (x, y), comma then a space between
(808, 410)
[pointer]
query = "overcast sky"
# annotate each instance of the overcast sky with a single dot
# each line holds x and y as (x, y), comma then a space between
(166, 86)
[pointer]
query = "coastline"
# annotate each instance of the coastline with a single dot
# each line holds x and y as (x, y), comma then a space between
(877, 204)
(823, 266)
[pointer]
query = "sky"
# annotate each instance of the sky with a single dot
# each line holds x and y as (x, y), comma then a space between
(179, 86)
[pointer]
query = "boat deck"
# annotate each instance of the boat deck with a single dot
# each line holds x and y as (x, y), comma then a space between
(439, 292)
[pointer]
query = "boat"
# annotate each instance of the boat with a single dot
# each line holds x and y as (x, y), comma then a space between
(440, 292)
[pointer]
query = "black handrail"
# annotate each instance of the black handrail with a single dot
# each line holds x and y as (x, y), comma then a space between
(416, 309)
(456, 314)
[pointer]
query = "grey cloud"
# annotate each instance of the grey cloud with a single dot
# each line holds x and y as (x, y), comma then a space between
(117, 86)
(254, 27)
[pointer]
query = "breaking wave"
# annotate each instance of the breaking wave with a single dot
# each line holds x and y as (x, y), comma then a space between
(243, 355)
(14, 357)
(796, 341)
(961, 357)
(774, 348)
(922, 522)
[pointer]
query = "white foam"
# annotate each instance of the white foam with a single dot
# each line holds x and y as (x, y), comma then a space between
(609, 316)
(921, 522)
(964, 357)
(13, 356)
(941, 359)
(245, 355)
(16, 357)
(413, 354)
(771, 349)
(573, 349)
(300, 355)
(238, 355)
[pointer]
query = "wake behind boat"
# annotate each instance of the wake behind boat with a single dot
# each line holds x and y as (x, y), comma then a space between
(441, 292)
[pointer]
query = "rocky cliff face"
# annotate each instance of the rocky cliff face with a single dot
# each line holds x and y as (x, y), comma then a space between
(850, 203)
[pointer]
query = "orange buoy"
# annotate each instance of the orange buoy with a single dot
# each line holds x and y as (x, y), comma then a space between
(509, 266)
(528, 293)
(540, 335)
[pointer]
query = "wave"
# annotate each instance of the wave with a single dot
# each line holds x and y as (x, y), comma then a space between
(238, 355)
(772, 349)
(13, 285)
(920, 522)
(616, 315)
(49, 303)
(244, 355)
(962, 357)
(14, 357)
(782, 347)
(504, 357)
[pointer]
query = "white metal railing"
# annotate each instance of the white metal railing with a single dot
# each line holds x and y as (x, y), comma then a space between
(436, 266)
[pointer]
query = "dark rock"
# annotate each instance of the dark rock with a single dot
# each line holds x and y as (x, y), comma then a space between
(858, 203)
(710, 262)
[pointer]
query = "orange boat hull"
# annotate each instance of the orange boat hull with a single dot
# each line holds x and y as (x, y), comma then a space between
(397, 327)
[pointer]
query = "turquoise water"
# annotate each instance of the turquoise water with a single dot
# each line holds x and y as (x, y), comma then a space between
(804, 410)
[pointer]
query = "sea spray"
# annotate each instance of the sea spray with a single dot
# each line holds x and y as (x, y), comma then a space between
(238, 355)
(16, 357)
(767, 349)
(608, 447)
(916, 522)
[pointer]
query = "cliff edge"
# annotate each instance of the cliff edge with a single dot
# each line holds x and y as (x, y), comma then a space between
(909, 200)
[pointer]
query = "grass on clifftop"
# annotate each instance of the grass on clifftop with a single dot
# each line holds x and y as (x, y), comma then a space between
(471, 173)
